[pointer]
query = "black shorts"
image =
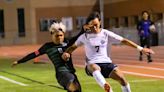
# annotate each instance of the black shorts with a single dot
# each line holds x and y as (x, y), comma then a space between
(106, 69)
(65, 78)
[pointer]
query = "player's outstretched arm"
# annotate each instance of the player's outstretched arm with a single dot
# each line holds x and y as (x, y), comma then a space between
(25, 59)
(134, 45)
(32, 55)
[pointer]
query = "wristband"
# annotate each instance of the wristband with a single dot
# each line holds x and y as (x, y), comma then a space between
(139, 48)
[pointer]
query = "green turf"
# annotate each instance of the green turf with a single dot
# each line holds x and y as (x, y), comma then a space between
(41, 78)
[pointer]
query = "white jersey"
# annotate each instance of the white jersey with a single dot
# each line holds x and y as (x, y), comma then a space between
(96, 45)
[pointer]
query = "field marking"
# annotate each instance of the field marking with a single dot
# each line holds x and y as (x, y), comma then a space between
(135, 81)
(13, 81)
(132, 81)
(141, 74)
(117, 60)
(144, 67)
(157, 63)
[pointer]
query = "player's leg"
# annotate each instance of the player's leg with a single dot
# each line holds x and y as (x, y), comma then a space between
(77, 84)
(74, 86)
(118, 76)
(148, 44)
(69, 81)
(95, 70)
(142, 43)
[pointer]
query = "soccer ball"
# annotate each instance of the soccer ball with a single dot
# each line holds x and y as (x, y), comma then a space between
(152, 28)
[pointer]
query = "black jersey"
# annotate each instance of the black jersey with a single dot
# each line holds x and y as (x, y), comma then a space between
(54, 53)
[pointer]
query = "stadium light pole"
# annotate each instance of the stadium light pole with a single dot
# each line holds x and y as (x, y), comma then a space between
(101, 4)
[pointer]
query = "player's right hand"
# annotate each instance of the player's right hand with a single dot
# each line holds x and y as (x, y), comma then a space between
(14, 63)
(66, 56)
(142, 32)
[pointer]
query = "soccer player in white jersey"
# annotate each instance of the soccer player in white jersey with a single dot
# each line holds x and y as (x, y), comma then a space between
(98, 63)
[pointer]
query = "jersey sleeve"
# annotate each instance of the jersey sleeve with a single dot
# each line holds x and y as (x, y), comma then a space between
(42, 49)
(79, 41)
(73, 39)
(114, 38)
(34, 54)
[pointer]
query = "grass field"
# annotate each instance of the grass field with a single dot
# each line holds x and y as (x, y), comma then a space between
(41, 78)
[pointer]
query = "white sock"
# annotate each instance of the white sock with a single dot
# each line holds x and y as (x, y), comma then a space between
(111, 89)
(126, 88)
(99, 78)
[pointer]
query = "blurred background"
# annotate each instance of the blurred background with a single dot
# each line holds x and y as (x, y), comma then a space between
(27, 21)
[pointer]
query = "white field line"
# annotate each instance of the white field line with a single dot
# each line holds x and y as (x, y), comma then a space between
(157, 63)
(146, 75)
(133, 81)
(143, 67)
(124, 60)
(13, 81)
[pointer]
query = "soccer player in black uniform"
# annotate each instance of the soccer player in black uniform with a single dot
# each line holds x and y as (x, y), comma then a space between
(65, 72)
(145, 27)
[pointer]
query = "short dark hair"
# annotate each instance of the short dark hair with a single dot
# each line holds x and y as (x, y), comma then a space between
(147, 13)
(92, 16)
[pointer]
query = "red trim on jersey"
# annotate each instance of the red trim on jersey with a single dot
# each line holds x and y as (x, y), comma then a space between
(36, 52)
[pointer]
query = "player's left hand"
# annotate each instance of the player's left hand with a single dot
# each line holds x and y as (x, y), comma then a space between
(14, 63)
(147, 51)
(87, 28)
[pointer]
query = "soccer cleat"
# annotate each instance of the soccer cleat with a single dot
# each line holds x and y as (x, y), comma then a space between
(150, 60)
(107, 87)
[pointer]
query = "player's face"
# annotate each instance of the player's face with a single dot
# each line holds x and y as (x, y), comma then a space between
(58, 37)
(95, 25)
(145, 15)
